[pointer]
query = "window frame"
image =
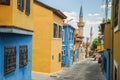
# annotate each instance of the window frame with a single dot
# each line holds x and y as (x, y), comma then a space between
(59, 57)
(27, 10)
(70, 35)
(4, 3)
(63, 34)
(57, 31)
(9, 59)
(20, 5)
(60, 31)
(116, 15)
(115, 67)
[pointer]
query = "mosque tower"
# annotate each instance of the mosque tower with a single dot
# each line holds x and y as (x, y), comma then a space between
(80, 25)
(91, 34)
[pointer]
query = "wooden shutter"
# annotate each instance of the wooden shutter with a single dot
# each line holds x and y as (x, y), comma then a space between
(27, 11)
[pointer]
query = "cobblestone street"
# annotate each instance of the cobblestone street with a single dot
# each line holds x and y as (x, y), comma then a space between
(84, 70)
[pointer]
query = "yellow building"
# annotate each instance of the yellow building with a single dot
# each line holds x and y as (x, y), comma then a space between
(16, 15)
(47, 39)
(107, 37)
(16, 30)
(116, 38)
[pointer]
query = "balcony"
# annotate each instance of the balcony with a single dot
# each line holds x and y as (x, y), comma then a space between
(80, 36)
(78, 40)
(80, 24)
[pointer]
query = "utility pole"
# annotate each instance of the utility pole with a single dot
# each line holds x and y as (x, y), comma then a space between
(106, 9)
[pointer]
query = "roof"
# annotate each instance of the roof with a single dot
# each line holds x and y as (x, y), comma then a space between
(81, 11)
(55, 11)
(68, 25)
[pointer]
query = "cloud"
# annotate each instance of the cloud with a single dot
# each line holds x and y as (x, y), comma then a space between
(93, 15)
(103, 6)
(88, 23)
(71, 15)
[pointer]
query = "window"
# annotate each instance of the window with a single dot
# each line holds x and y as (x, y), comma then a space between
(27, 11)
(56, 31)
(105, 64)
(115, 71)
(23, 58)
(116, 9)
(62, 35)
(20, 4)
(70, 36)
(63, 55)
(59, 57)
(5, 2)
(9, 59)
(52, 57)
(60, 31)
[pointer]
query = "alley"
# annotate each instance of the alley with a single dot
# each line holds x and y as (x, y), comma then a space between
(84, 70)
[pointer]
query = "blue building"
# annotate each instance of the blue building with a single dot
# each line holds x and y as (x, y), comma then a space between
(106, 64)
(15, 55)
(16, 30)
(67, 45)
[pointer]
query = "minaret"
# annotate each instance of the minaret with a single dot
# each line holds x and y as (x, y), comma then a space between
(91, 33)
(80, 24)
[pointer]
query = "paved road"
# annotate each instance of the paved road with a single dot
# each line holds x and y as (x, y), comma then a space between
(85, 70)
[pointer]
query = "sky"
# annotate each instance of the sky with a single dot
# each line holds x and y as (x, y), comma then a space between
(93, 12)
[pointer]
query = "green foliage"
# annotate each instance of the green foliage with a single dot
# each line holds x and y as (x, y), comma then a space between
(95, 43)
(99, 29)
(104, 20)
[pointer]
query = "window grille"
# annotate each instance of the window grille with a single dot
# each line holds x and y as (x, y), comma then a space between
(9, 59)
(23, 58)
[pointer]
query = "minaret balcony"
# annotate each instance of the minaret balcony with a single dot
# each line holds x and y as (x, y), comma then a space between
(80, 36)
(78, 39)
(80, 24)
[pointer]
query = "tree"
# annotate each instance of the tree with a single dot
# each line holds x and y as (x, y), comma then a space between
(95, 43)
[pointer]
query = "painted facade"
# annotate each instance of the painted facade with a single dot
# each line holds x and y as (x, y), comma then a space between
(47, 43)
(68, 45)
(16, 29)
(76, 46)
(105, 38)
(116, 38)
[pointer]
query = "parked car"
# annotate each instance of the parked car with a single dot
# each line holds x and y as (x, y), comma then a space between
(100, 60)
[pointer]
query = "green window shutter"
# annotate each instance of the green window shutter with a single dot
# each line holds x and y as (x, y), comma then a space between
(5, 2)
(20, 4)
(27, 11)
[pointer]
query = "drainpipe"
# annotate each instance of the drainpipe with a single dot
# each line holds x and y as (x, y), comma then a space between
(111, 42)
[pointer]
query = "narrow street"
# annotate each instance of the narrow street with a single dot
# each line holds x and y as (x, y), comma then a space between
(84, 70)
